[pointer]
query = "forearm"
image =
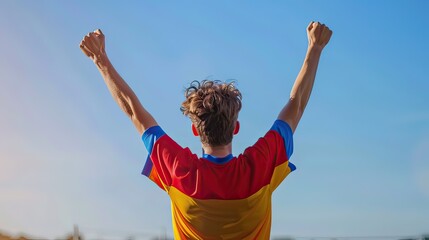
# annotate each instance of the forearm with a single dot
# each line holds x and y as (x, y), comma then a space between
(118, 88)
(304, 82)
(301, 90)
(124, 95)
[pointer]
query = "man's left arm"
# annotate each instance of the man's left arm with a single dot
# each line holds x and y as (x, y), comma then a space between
(318, 36)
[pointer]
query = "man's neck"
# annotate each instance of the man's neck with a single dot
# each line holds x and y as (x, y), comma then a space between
(218, 151)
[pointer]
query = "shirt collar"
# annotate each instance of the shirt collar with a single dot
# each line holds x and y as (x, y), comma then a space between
(218, 160)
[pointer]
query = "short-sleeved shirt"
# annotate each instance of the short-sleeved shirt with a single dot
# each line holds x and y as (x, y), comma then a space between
(220, 198)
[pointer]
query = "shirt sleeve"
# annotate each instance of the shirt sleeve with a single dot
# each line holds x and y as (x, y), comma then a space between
(149, 137)
(164, 157)
(285, 132)
(282, 169)
(268, 158)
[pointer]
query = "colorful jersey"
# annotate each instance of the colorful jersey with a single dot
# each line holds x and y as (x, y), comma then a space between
(220, 198)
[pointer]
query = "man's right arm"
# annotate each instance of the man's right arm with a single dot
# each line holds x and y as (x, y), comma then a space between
(93, 46)
(318, 37)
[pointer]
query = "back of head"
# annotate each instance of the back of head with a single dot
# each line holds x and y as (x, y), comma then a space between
(213, 108)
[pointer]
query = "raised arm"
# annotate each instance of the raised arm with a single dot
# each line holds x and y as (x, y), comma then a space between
(318, 36)
(93, 46)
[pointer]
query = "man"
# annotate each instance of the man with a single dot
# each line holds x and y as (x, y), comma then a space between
(218, 195)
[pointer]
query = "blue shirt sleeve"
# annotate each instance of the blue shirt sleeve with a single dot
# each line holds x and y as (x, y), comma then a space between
(149, 138)
(285, 131)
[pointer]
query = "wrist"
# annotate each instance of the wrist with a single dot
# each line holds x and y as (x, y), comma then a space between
(315, 47)
(314, 51)
(101, 60)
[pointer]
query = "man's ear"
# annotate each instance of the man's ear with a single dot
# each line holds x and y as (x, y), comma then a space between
(237, 127)
(194, 130)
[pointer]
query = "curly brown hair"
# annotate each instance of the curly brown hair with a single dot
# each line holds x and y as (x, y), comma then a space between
(213, 108)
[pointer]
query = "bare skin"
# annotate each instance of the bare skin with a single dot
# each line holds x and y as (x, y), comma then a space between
(93, 46)
(318, 36)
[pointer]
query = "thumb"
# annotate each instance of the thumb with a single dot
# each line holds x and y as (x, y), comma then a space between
(310, 26)
(85, 50)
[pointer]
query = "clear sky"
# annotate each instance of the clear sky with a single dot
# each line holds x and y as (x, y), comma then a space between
(69, 155)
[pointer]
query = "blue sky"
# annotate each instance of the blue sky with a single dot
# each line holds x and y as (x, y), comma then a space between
(68, 155)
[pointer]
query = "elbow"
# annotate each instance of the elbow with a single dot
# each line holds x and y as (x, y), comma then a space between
(299, 101)
(297, 105)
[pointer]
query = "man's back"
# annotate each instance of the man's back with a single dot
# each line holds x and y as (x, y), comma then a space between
(220, 198)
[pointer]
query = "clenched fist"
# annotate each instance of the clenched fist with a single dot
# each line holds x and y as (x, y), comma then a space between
(93, 45)
(318, 34)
